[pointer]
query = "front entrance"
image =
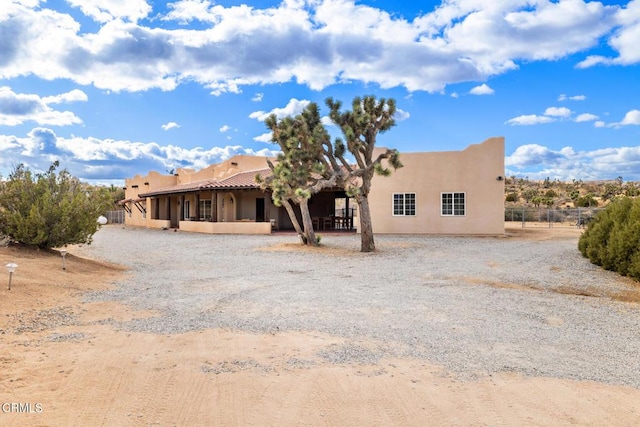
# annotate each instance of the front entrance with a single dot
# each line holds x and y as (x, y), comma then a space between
(260, 209)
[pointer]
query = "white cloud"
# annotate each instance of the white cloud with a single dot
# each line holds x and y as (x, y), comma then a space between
(455, 95)
(483, 89)
(315, 43)
(170, 125)
(557, 112)
(75, 95)
(16, 109)
(185, 11)
(326, 120)
(564, 97)
(538, 162)
(225, 128)
(530, 119)
(586, 117)
(401, 115)
(593, 60)
(600, 124)
(265, 137)
(86, 157)
(624, 39)
(531, 154)
(107, 10)
(631, 118)
(293, 108)
(258, 97)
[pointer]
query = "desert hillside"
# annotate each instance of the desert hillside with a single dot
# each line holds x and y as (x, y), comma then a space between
(557, 194)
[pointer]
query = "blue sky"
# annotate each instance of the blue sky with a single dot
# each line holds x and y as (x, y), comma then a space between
(115, 88)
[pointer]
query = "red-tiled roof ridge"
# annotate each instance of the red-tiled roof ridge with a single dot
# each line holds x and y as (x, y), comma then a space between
(244, 179)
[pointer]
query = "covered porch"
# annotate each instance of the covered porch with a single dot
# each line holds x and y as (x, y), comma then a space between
(331, 210)
(211, 207)
(238, 206)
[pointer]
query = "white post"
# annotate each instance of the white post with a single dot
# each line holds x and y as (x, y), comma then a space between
(11, 267)
(64, 254)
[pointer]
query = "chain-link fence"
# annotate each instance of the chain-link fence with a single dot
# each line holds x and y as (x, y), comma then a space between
(544, 217)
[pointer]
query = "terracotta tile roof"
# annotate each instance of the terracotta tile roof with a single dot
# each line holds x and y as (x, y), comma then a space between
(242, 180)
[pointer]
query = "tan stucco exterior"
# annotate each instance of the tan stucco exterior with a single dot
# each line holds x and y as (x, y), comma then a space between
(225, 199)
(178, 201)
(477, 171)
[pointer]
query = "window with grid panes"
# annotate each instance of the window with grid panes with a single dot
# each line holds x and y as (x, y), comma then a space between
(453, 204)
(404, 204)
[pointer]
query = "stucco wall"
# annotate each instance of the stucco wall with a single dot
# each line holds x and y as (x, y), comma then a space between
(142, 184)
(236, 227)
(473, 171)
(158, 223)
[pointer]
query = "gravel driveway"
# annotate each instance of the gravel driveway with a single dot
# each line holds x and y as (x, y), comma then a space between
(473, 305)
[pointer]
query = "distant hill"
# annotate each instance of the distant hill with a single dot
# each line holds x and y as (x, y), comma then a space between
(558, 194)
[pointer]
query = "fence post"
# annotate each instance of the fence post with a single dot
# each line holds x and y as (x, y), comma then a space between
(579, 218)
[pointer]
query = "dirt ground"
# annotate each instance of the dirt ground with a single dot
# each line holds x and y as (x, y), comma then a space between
(63, 364)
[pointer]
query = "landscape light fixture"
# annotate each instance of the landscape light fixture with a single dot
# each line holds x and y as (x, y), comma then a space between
(12, 268)
(64, 254)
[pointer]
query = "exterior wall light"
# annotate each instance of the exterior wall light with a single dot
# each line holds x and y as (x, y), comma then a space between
(11, 267)
(499, 178)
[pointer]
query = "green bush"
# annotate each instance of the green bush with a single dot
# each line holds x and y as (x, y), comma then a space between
(49, 210)
(612, 239)
(512, 197)
(586, 201)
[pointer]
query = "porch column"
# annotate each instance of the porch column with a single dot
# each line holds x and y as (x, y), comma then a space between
(346, 213)
(197, 206)
(214, 206)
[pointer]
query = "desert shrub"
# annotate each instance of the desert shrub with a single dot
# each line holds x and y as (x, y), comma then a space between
(512, 197)
(612, 239)
(49, 210)
(586, 201)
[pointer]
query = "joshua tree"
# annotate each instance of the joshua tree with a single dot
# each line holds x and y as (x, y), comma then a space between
(360, 127)
(301, 170)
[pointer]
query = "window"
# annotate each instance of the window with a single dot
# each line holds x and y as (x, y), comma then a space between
(205, 209)
(404, 204)
(187, 210)
(453, 204)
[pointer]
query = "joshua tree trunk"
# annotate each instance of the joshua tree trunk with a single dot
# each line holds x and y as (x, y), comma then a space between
(294, 221)
(308, 224)
(366, 227)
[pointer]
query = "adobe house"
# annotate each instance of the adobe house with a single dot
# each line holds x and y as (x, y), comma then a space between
(457, 192)
(224, 199)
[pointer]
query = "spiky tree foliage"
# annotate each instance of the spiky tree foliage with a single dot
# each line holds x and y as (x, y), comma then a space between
(360, 127)
(49, 210)
(301, 169)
